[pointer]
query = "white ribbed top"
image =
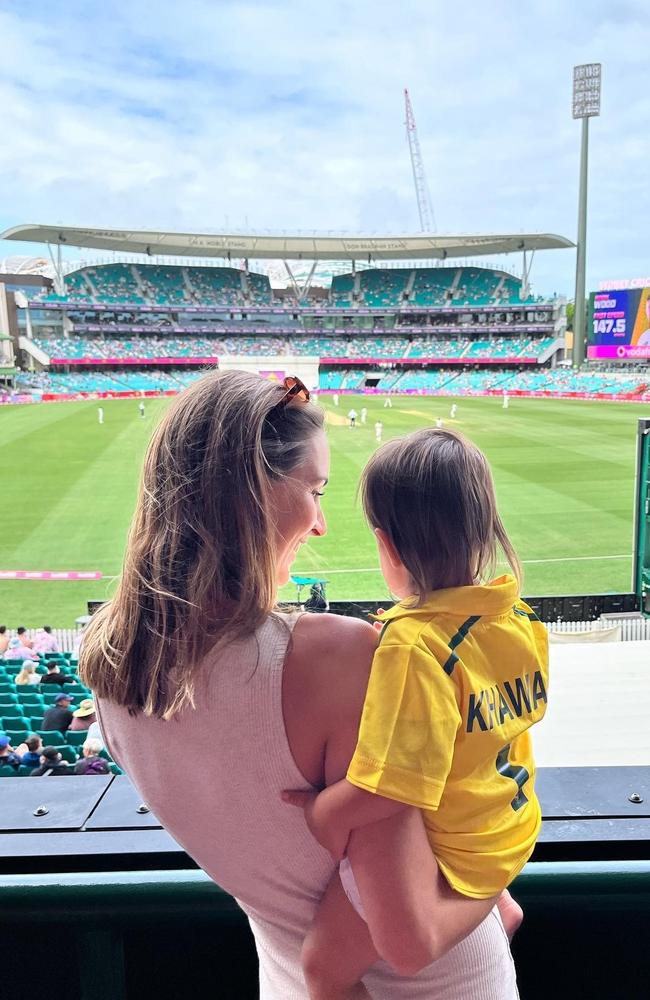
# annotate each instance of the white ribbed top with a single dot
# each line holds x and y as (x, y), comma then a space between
(213, 777)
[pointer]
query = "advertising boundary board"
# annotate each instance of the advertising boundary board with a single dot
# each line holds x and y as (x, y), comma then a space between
(604, 397)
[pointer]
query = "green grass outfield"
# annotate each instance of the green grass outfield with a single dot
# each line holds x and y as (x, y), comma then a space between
(564, 472)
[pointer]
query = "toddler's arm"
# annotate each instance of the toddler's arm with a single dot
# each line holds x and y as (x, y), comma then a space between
(334, 813)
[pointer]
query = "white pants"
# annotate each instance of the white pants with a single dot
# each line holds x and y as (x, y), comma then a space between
(480, 967)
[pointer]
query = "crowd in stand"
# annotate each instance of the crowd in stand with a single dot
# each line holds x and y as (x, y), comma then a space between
(48, 723)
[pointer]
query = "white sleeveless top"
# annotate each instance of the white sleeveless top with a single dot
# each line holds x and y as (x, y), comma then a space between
(213, 777)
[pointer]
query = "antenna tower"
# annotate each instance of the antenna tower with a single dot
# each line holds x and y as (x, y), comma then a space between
(425, 208)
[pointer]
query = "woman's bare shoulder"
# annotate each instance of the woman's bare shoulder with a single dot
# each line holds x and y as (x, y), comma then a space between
(345, 640)
(332, 655)
(324, 684)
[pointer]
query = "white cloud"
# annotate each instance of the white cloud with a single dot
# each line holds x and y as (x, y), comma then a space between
(287, 115)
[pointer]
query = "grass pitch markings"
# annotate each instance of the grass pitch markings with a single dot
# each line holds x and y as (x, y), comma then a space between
(336, 419)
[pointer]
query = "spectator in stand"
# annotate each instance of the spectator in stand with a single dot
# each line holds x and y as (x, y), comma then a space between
(84, 717)
(30, 751)
(21, 632)
(51, 763)
(8, 756)
(44, 641)
(95, 733)
(59, 715)
(28, 674)
(54, 675)
(4, 639)
(17, 651)
(92, 763)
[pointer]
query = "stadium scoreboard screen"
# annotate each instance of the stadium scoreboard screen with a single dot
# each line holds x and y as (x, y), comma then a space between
(618, 327)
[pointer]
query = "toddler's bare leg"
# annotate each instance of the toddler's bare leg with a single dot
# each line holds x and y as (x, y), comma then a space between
(338, 949)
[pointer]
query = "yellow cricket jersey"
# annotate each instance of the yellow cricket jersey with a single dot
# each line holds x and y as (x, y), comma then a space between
(455, 686)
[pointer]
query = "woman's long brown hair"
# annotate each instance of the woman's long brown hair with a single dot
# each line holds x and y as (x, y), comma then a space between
(199, 566)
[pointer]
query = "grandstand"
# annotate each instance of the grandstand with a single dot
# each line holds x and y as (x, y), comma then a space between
(121, 328)
(392, 323)
(149, 327)
(22, 710)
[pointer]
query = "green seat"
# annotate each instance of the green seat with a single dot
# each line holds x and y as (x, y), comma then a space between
(68, 753)
(7, 772)
(14, 722)
(11, 711)
(17, 736)
(105, 754)
(8, 699)
(50, 737)
(76, 739)
(115, 769)
(30, 699)
(24, 771)
(36, 722)
(7, 687)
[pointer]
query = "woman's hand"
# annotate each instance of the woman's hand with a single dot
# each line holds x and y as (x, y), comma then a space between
(328, 834)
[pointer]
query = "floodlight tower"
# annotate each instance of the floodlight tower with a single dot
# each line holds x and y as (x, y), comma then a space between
(425, 209)
(586, 105)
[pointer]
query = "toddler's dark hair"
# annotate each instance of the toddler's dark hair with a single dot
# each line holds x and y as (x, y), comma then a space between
(432, 493)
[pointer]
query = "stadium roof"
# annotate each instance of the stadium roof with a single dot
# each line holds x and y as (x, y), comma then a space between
(298, 247)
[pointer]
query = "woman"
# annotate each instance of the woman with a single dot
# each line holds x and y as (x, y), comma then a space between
(192, 651)
(27, 674)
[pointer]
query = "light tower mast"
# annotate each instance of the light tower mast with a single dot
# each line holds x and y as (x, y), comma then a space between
(425, 209)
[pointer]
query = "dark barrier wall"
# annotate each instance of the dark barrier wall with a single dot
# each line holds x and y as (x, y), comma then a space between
(175, 935)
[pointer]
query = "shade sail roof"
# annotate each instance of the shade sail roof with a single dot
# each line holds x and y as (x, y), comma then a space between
(297, 247)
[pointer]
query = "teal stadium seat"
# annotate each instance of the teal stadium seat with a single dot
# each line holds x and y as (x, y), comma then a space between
(50, 737)
(17, 734)
(10, 710)
(68, 753)
(76, 739)
(28, 698)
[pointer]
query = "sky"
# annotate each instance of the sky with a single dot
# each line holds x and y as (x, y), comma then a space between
(284, 116)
